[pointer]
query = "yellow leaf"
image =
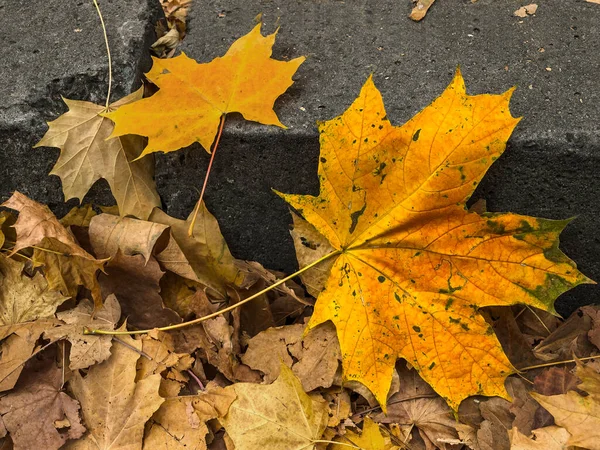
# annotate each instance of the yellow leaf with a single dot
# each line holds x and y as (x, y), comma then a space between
(371, 438)
(87, 155)
(578, 414)
(279, 416)
(193, 97)
(413, 265)
(115, 407)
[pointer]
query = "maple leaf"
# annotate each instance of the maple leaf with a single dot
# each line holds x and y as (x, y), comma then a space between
(268, 416)
(193, 97)
(87, 350)
(371, 438)
(413, 265)
(87, 155)
(578, 414)
(67, 264)
(114, 406)
(34, 412)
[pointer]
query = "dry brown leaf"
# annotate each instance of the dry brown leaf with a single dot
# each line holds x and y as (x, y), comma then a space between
(371, 438)
(548, 438)
(87, 350)
(17, 345)
(318, 357)
(109, 233)
(580, 415)
(523, 407)
(71, 264)
(206, 251)
(485, 423)
(87, 155)
(515, 345)
(420, 9)
(136, 286)
(33, 410)
(268, 351)
(314, 359)
(593, 1)
(162, 359)
(181, 422)
(115, 407)
(279, 416)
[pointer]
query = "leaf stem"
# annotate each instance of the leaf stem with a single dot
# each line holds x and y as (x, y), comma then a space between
(107, 52)
(212, 158)
(218, 313)
(322, 441)
(556, 363)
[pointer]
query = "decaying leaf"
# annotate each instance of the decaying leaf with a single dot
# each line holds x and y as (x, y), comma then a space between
(548, 438)
(115, 407)
(413, 266)
(279, 416)
(193, 97)
(38, 414)
(371, 438)
(87, 350)
(23, 298)
(68, 265)
(580, 415)
(180, 422)
(87, 155)
(314, 359)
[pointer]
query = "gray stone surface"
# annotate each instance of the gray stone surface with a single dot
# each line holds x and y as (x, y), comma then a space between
(55, 48)
(548, 170)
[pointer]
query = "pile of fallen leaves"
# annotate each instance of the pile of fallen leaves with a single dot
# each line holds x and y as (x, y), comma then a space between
(420, 323)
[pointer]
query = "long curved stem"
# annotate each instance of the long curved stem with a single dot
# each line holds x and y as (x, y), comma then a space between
(210, 163)
(107, 53)
(557, 363)
(218, 313)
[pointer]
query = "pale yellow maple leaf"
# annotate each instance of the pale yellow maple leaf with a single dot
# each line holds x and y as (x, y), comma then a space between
(88, 155)
(279, 416)
(114, 407)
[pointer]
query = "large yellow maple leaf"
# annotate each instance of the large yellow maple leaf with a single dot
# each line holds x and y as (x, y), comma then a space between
(193, 97)
(413, 265)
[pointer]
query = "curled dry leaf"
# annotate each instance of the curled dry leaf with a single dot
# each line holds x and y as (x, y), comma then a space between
(109, 233)
(114, 406)
(413, 266)
(86, 155)
(38, 414)
(193, 97)
(70, 265)
(279, 416)
(87, 350)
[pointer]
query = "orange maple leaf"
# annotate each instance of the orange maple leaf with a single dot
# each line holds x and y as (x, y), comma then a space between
(413, 265)
(193, 97)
